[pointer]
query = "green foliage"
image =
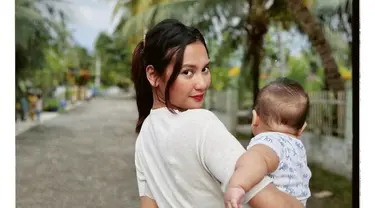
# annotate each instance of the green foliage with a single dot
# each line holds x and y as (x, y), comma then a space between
(49, 103)
(298, 69)
(68, 94)
(314, 84)
(219, 78)
(115, 60)
(41, 44)
(34, 32)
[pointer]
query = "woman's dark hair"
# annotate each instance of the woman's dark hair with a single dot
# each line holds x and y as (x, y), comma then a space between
(163, 42)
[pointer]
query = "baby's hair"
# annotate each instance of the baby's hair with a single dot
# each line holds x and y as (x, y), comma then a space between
(283, 102)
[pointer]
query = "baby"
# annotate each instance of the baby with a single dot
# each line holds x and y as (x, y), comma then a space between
(278, 120)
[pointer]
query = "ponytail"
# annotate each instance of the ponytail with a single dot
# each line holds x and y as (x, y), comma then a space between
(143, 87)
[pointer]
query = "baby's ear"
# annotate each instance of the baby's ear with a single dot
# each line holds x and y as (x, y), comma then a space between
(302, 129)
(255, 118)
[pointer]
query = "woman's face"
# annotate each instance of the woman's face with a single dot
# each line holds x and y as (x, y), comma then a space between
(189, 88)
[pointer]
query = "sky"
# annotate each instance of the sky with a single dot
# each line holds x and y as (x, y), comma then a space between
(87, 18)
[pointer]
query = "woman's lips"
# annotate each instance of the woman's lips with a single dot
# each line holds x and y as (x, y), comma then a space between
(198, 97)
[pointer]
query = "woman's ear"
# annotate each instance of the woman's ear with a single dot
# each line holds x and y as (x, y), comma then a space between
(152, 76)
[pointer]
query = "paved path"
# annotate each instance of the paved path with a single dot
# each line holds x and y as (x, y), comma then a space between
(80, 159)
(23, 126)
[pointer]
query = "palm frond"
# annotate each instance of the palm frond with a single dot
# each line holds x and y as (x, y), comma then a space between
(120, 5)
(136, 24)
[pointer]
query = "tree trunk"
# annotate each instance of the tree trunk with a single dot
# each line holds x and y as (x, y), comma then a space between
(313, 30)
(243, 78)
(258, 21)
(255, 53)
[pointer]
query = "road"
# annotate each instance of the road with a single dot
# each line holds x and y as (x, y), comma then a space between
(82, 159)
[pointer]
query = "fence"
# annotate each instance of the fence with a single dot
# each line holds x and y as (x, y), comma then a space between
(327, 113)
(225, 105)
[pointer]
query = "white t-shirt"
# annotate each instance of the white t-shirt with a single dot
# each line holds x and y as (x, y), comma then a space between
(185, 160)
(292, 175)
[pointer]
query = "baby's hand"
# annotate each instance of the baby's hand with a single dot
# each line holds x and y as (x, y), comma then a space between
(233, 197)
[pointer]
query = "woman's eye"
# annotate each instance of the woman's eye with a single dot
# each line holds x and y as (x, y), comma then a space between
(188, 72)
(206, 69)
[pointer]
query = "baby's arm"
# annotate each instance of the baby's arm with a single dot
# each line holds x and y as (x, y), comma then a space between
(262, 158)
(253, 165)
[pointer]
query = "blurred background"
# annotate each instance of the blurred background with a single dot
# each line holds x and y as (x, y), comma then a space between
(78, 53)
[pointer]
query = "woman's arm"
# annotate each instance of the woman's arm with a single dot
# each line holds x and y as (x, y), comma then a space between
(147, 202)
(270, 197)
(146, 197)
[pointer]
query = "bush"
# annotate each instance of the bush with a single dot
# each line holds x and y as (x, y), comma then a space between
(51, 104)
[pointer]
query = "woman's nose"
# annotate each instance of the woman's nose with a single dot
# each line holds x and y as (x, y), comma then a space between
(201, 82)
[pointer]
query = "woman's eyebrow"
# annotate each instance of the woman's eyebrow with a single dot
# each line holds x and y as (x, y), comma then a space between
(189, 65)
(194, 66)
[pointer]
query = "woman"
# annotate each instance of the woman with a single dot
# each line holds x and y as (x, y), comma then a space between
(184, 155)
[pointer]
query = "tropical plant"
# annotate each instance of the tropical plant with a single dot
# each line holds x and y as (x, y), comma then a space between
(38, 24)
(115, 60)
(253, 19)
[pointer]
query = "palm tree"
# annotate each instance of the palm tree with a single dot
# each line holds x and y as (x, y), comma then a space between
(138, 15)
(255, 17)
(341, 10)
(314, 31)
(34, 32)
(40, 27)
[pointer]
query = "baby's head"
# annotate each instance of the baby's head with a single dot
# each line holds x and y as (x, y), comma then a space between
(281, 106)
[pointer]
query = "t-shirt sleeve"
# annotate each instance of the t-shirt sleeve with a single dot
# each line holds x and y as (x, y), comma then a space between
(272, 142)
(143, 187)
(219, 152)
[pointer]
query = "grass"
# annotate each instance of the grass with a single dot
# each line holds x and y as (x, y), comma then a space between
(338, 185)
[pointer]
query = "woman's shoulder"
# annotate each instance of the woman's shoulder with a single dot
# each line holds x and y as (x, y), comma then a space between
(198, 114)
(198, 118)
